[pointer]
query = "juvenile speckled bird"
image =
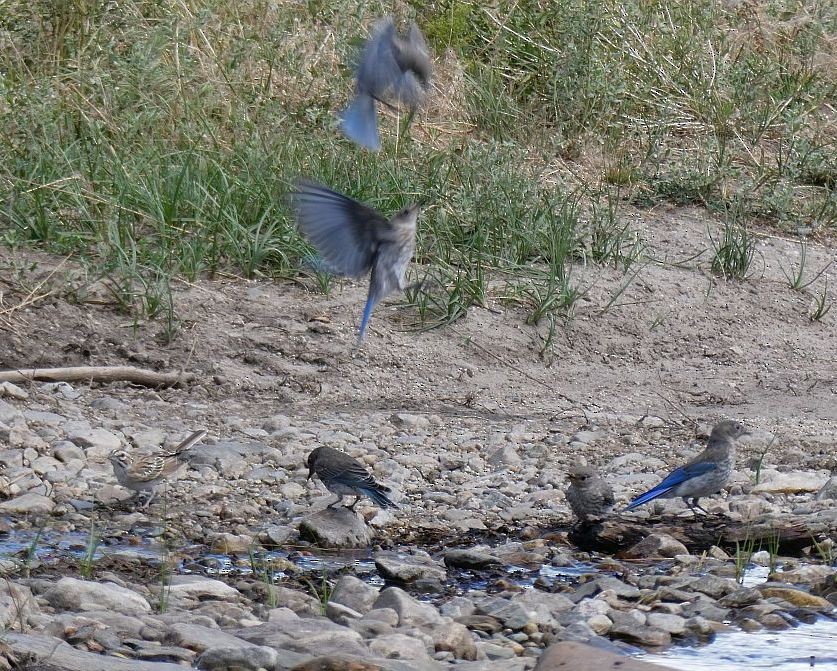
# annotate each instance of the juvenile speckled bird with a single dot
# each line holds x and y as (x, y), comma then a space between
(392, 68)
(354, 239)
(146, 473)
(588, 495)
(346, 476)
(704, 475)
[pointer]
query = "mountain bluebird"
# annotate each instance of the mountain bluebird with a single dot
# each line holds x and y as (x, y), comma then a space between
(391, 67)
(704, 475)
(346, 476)
(354, 239)
(588, 495)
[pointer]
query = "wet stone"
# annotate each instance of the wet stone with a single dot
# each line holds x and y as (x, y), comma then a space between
(746, 596)
(405, 569)
(472, 559)
(656, 545)
(484, 623)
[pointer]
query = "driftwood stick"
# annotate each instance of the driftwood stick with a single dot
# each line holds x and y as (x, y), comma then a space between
(791, 532)
(146, 378)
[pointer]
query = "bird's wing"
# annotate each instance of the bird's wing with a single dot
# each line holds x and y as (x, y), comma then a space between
(676, 477)
(414, 65)
(345, 232)
(378, 70)
(344, 469)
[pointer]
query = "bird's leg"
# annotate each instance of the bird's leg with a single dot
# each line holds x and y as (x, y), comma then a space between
(151, 494)
(334, 503)
(696, 502)
(357, 499)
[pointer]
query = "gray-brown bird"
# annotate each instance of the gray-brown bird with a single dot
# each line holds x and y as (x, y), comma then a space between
(355, 240)
(146, 472)
(588, 495)
(346, 476)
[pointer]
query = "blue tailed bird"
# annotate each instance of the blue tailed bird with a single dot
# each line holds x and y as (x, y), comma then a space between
(392, 68)
(704, 475)
(346, 476)
(354, 239)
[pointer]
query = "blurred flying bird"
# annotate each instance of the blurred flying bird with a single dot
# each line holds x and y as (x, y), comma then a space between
(588, 495)
(146, 472)
(346, 476)
(392, 68)
(355, 239)
(704, 475)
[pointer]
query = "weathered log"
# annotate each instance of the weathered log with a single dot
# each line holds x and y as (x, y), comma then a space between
(140, 376)
(789, 533)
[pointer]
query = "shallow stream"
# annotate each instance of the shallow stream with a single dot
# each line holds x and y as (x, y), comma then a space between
(809, 646)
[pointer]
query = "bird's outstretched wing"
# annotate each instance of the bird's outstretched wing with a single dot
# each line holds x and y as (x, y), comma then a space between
(676, 477)
(345, 232)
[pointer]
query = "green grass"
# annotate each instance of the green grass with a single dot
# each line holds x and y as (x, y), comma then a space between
(156, 141)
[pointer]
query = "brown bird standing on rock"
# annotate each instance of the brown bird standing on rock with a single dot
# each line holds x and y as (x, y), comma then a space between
(346, 476)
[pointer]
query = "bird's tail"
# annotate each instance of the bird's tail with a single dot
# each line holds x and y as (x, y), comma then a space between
(371, 300)
(360, 122)
(378, 496)
(196, 437)
(650, 495)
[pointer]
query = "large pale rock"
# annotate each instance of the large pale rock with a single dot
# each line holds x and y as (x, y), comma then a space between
(573, 656)
(200, 638)
(16, 605)
(455, 638)
(410, 612)
(794, 482)
(97, 443)
(48, 652)
(512, 614)
(354, 593)
(185, 588)
(250, 658)
(79, 595)
(633, 631)
(399, 646)
(310, 635)
(28, 504)
(335, 528)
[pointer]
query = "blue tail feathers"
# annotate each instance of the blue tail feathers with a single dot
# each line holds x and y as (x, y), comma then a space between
(360, 122)
(367, 314)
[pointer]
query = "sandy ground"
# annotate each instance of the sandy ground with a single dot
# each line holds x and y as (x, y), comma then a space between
(678, 343)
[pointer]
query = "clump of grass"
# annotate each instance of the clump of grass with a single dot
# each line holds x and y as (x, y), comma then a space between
(263, 570)
(796, 279)
(321, 592)
(690, 102)
(744, 551)
(88, 560)
(822, 305)
(734, 251)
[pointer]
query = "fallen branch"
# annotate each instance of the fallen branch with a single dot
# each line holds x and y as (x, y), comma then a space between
(146, 378)
(792, 532)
